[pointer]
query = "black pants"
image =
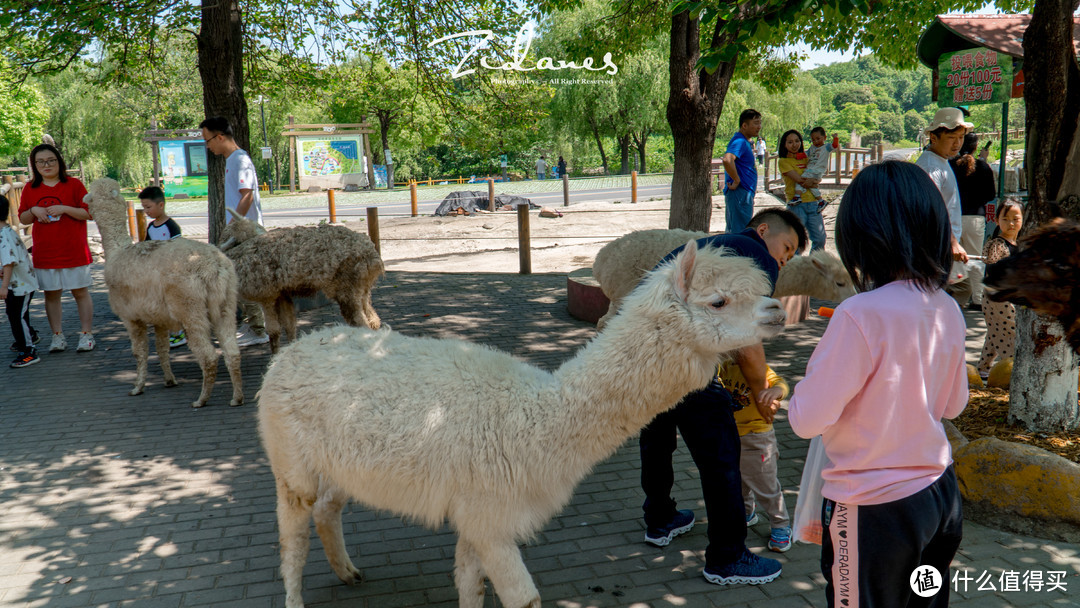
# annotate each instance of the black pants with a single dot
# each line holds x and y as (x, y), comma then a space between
(18, 314)
(707, 424)
(870, 552)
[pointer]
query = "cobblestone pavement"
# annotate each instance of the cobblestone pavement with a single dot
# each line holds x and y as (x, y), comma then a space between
(111, 500)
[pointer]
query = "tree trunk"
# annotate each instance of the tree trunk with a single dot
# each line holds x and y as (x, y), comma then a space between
(221, 69)
(639, 143)
(386, 119)
(695, 99)
(1042, 394)
(599, 144)
(624, 154)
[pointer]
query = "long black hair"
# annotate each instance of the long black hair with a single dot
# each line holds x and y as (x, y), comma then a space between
(782, 150)
(892, 225)
(966, 155)
(33, 167)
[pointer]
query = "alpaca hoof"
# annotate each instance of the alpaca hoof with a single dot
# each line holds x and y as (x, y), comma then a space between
(171, 383)
(236, 402)
(135, 391)
(353, 576)
(198, 404)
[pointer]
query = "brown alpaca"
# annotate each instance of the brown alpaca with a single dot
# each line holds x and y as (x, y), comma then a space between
(1044, 276)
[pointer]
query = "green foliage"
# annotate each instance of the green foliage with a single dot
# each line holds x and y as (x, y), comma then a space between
(23, 113)
(858, 94)
(891, 126)
(914, 123)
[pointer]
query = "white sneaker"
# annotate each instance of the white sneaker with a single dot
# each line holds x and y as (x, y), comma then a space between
(86, 342)
(243, 330)
(59, 343)
(248, 337)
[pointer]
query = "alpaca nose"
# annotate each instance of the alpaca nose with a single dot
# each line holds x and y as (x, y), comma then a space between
(769, 312)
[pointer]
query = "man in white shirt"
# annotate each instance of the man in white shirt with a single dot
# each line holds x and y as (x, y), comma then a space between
(241, 195)
(541, 168)
(946, 132)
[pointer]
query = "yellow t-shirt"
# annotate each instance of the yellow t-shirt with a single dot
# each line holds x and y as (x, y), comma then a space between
(748, 418)
(787, 163)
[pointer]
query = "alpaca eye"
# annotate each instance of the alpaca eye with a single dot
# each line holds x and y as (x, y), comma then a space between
(839, 284)
(718, 304)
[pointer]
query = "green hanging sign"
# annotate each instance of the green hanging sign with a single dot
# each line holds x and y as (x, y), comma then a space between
(974, 76)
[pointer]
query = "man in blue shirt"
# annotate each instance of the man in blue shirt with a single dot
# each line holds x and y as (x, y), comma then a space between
(706, 421)
(740, 181)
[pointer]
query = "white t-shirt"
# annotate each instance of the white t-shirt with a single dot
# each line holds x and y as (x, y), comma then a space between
(12, 251)
(941, 173)
(541, 167)
(240, 175)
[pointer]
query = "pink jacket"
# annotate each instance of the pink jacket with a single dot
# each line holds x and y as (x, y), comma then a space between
(888, 369)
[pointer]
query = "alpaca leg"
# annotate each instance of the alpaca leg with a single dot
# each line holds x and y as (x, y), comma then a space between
(161, 345)
(140, 349)
(327, 514)
(293, 514)
(286, 314)
(206, 355)
(503, 565)
(224, 323)
(372, 317)
(349, 309)
(613, 309)
(468, 576)
(273, 324)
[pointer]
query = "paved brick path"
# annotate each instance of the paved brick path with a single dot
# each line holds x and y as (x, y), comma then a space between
(111, 500)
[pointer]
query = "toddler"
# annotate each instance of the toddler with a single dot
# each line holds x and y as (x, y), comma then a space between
(17, 287)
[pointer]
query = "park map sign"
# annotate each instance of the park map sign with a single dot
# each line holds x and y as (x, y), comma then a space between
(974, 76)
(330, 161)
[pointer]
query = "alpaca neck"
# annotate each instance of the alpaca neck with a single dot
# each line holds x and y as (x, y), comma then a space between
(626, 376)
(114, 235)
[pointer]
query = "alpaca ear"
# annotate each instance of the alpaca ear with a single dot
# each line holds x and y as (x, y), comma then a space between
(818, 264)
(88, 198)
(684, 269)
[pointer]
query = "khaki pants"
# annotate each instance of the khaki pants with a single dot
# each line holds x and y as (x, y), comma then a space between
(757, 465)
(252, 314)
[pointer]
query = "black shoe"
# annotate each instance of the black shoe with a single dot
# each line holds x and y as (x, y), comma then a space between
(34, 338)
(680, 524)
(25, 360)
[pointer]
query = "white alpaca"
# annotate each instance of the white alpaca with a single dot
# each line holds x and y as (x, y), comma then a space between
(620, 264)
(168, 284)
(495, 446)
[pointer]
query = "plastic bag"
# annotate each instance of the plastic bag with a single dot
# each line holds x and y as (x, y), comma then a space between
(961, 271)
(807, 523)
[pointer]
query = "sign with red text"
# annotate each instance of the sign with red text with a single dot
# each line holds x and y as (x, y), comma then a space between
(974, 76)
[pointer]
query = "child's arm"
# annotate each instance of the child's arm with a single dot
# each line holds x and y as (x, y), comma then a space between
(6, 280)
(838, 369)
(751, 361)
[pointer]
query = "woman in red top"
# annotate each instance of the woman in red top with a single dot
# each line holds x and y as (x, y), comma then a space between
(53, 202)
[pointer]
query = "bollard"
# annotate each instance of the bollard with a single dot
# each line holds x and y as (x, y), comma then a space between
(373, 227)
(524, 249)
(412, 195)
(565, 191)
(633, 186)
(140, 223)
(333, 208)
(491, 194)
(131, 222)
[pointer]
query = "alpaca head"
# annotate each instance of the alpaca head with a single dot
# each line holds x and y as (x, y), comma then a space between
(1044, 275)
(834, 276)
(106, 205)
(707, 299)
(238, 230)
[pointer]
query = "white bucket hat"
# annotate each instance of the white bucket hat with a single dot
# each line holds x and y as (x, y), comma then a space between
(950, 118)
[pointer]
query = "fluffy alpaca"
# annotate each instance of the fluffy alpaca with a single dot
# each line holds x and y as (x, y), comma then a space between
(276, 266)
(496, 446)
(620, 264)
(168, 284)
(1044, 276)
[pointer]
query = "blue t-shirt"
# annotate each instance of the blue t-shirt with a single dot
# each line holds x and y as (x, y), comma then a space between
(748, 244)
(744, 162)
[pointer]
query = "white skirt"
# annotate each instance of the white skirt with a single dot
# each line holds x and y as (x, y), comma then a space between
(54, 279)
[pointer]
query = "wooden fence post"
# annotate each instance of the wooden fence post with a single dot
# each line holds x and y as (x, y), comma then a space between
(491, 194)
(373, 227)
(140, 225)
(331, 203)
(633, 186)
(412, 196)
(132, 230)
(524, 247)
(565, 191)
(839, 164)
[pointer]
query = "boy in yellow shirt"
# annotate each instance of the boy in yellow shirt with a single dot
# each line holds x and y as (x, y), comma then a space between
(759, 452)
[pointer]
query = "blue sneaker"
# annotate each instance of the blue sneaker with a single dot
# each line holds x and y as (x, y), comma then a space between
(683, 522)
(749, 569)
(751, 519)
(780, 540)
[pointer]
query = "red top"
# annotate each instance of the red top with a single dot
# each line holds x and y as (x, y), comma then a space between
(60, 244)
